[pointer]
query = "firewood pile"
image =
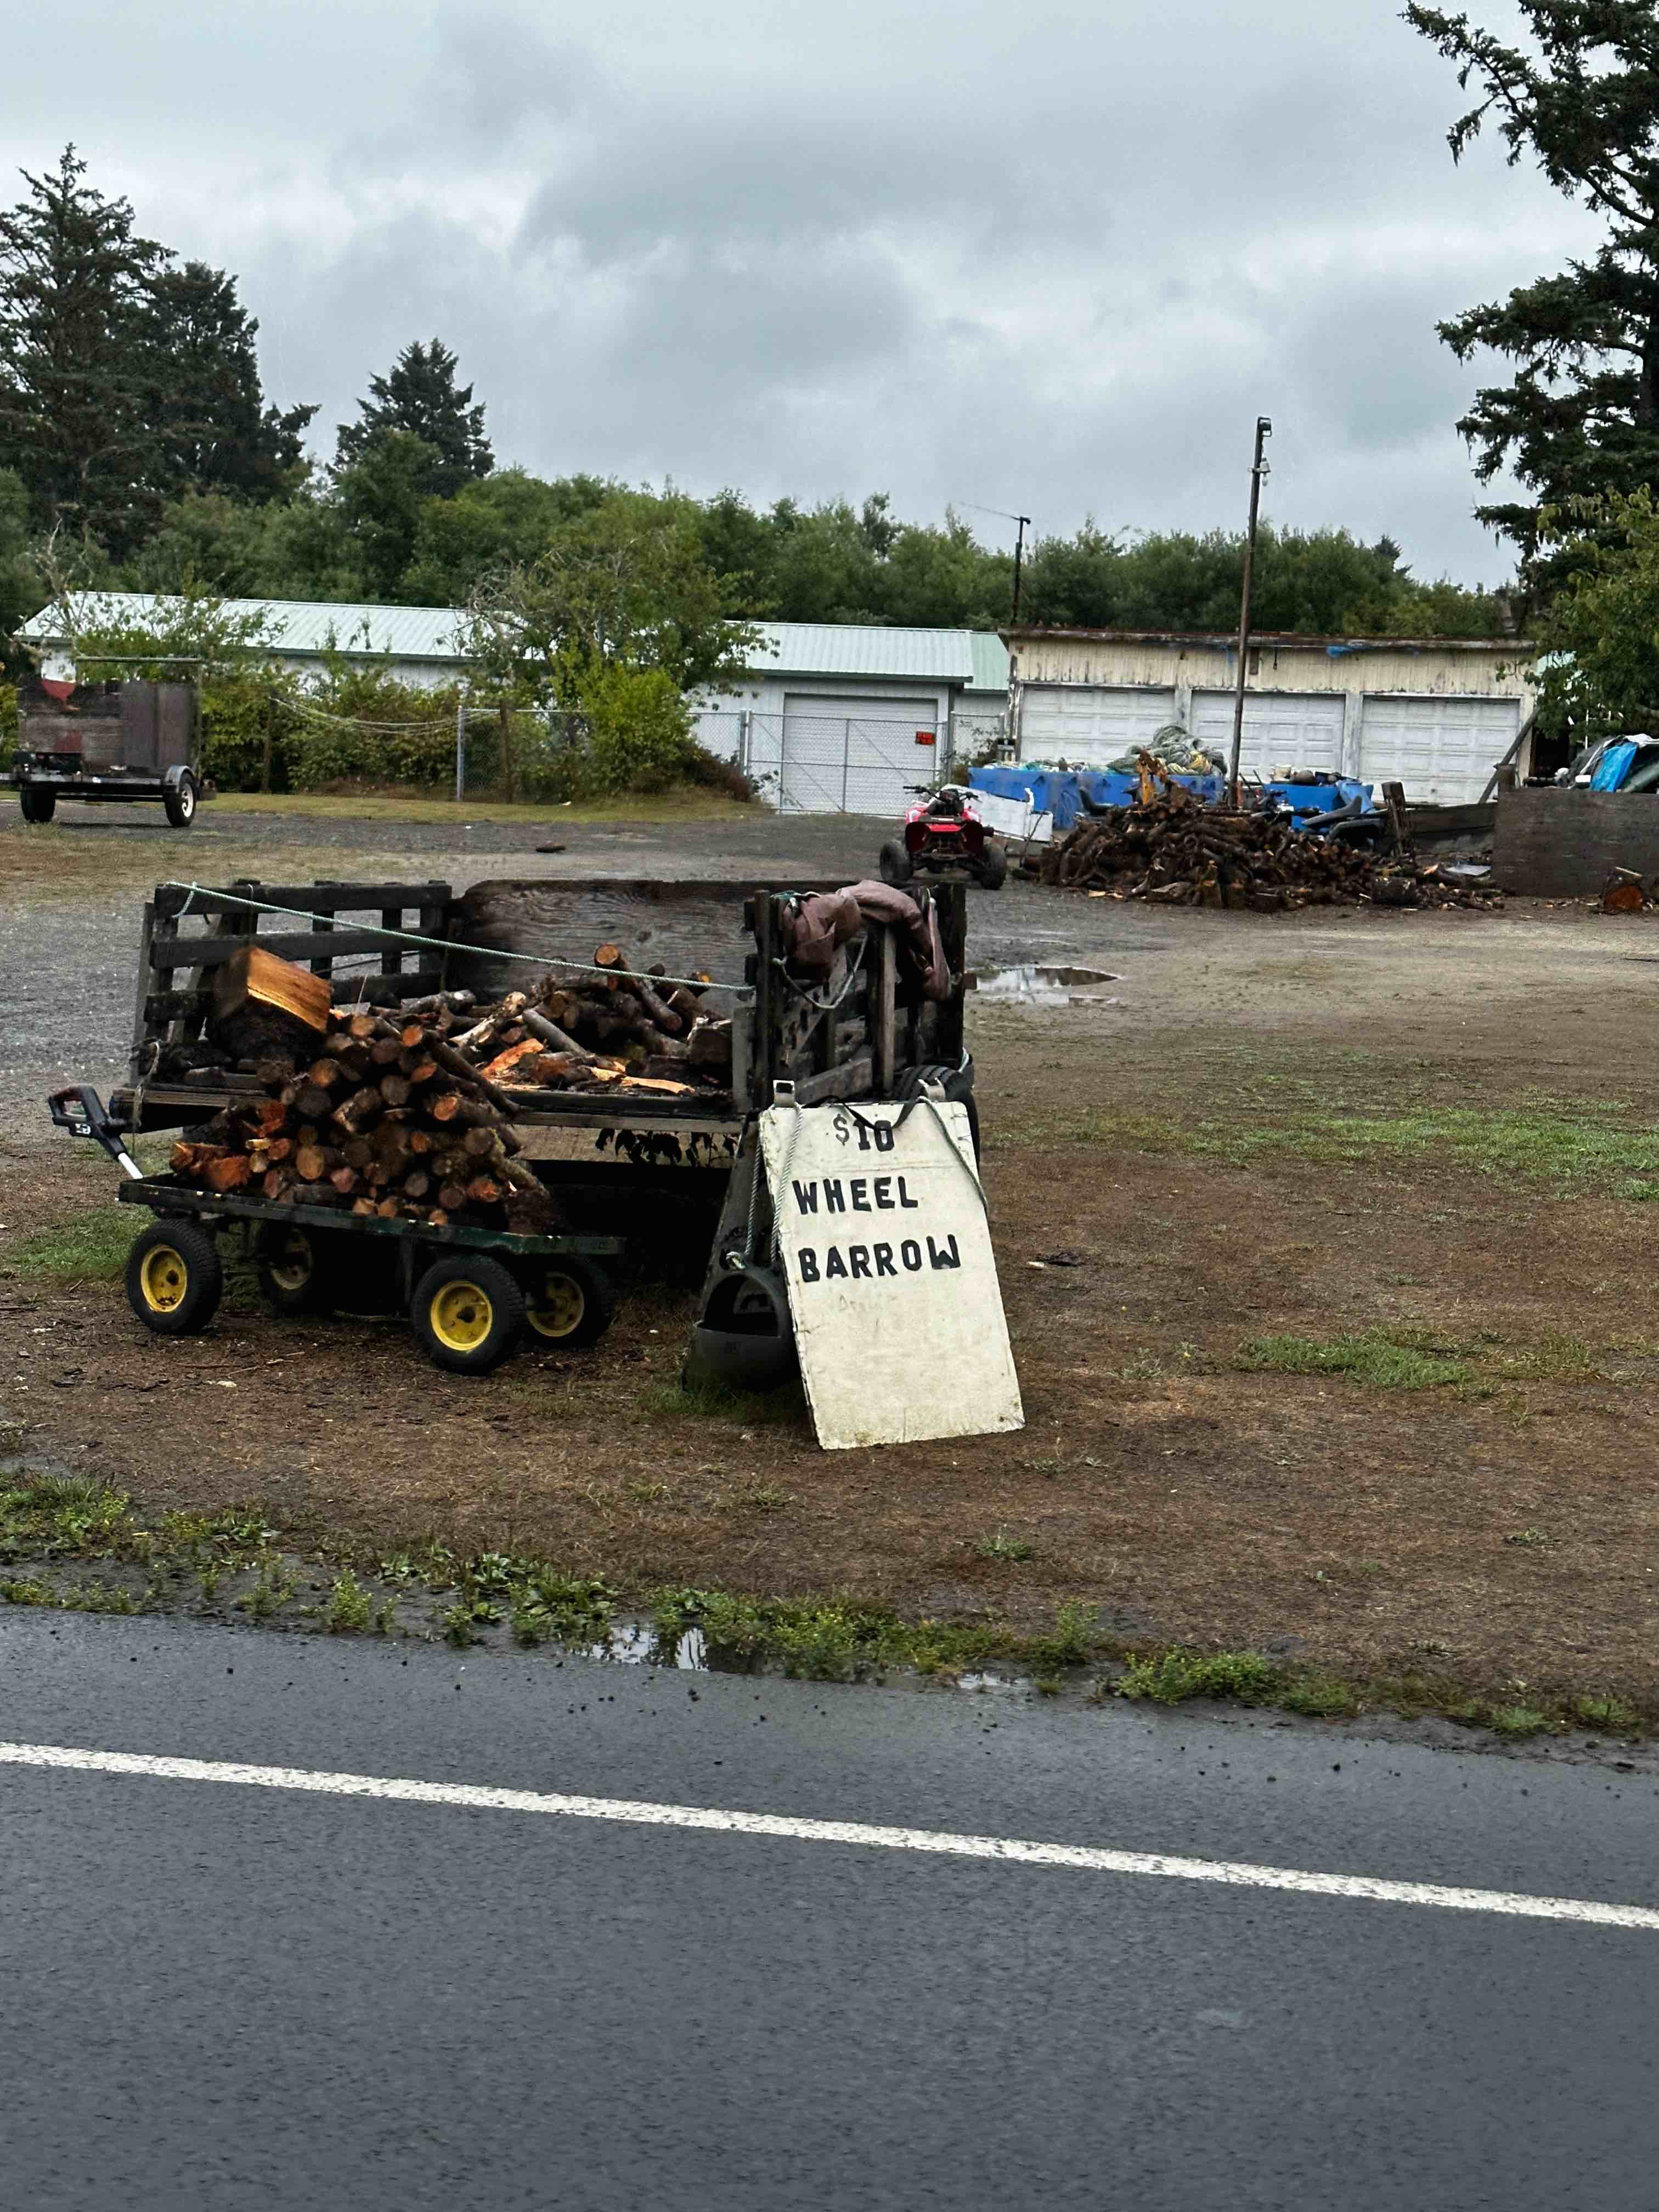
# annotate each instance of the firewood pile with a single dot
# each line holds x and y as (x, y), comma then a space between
(614, 1026)
(1174, 852)
(390, 1119)
(409, 1113)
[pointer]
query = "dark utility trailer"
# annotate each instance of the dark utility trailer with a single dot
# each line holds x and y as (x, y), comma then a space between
(674, 1176)
(469, 1293)
(112, 742)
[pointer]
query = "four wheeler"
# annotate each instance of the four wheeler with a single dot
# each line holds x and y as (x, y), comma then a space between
(943, 836)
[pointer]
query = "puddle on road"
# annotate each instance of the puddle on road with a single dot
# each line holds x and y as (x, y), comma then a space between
(1035, 985)
(636, 1644)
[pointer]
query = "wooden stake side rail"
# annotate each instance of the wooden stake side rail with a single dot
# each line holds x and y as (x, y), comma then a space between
(163, 1195)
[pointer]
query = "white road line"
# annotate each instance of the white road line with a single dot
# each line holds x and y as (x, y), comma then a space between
(1011, 1850)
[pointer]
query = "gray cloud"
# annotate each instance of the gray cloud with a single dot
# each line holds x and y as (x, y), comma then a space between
(1057, 261)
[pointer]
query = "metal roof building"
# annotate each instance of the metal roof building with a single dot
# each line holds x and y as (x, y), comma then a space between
(826, 716)
(421, 643)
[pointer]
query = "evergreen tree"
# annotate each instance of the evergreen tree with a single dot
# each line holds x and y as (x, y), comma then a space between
(75, 288)
(420, 397)
(205, 402)
(1581, 417)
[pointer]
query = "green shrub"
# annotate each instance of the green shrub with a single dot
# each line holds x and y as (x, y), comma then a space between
(639, 729)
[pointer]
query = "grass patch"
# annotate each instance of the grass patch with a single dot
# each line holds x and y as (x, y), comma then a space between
(91, 1249)
(1002, 1546)
(1575, 1145)
(1169, 1678)
(69, 1597)
(1389, 1359)
(713, 1401)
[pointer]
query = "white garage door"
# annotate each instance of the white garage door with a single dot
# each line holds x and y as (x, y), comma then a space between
(851, 755)
(1090, 723)
(1282, 729)
(1443, 751)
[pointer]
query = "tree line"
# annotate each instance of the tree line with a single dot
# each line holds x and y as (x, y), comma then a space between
(137, 448)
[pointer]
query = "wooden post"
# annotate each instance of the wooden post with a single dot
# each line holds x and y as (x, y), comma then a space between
(884, 1040)
(509, 757)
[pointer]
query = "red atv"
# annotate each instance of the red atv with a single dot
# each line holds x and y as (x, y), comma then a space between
(941, 837)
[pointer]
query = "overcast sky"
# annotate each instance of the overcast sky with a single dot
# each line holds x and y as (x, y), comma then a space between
(1047, 256)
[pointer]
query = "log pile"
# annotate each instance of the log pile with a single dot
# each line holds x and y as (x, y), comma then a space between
(615, 1027)
(392, 1120)
(611, 1027)
(1174, 852)
(408, 1114)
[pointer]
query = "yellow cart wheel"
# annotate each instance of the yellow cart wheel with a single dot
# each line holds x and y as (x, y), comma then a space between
(568, 1303)
(468, 1313)
(174, 1278)
(297, 1272)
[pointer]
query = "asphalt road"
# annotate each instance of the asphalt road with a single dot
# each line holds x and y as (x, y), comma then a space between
(224, 1995)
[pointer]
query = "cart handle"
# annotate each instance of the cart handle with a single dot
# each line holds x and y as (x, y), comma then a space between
(87, 1116)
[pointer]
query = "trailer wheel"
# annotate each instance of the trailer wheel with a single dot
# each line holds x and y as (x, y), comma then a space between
(569, 1302)
(174, 1278)
(36, 805)
(468, 1313)
(895, 862)
(294, 1277)
(179, 800)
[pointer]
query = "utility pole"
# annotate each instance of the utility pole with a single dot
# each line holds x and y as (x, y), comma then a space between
(1024, 522)
(460, 744)
(1264, 430)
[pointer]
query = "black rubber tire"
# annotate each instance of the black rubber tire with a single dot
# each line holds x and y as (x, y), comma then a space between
(174, 1278)
(469, 1335)
(568, 1303)
(295, 1268)
(36, 805)
(895, 862)
(179, 800)
(993, 867)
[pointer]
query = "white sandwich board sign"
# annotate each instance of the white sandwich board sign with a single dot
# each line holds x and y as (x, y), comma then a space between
(891, 1279)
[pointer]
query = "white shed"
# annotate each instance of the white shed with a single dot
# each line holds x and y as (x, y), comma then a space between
(1436, 714)
(852, 717)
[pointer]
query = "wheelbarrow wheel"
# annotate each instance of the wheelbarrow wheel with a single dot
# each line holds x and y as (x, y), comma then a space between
(174, 1278)
(293, 1270)
(468, 1313)
(568, 1303)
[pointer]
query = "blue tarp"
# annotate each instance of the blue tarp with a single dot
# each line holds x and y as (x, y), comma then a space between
(1060, 792)
(1614, 766)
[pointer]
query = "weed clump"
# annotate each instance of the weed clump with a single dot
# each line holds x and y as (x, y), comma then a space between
(1397, 1359)
(1171, 1677)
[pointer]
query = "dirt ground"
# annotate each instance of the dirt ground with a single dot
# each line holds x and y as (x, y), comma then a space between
(1341, 1345)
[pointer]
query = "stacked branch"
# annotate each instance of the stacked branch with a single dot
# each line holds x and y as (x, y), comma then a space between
(1174, 852)
(392, 1120)
(616, 1026)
